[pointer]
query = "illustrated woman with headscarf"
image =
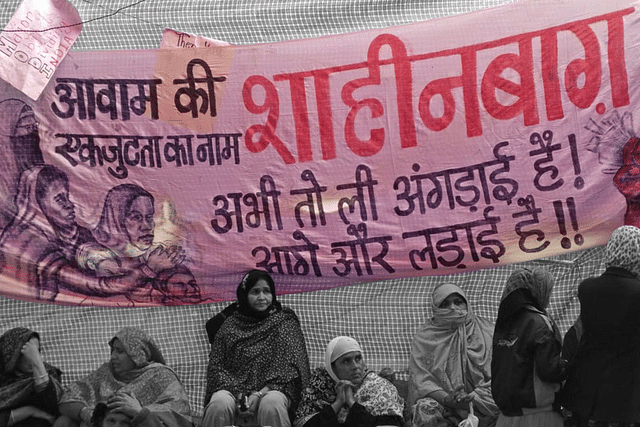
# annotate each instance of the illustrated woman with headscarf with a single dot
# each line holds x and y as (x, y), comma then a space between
(527, 367)
(19, 151)
(124, 244)
(603, 383)
(29, 387)
(450, 363)
(40, 244)
(344, 393)
(258, 362)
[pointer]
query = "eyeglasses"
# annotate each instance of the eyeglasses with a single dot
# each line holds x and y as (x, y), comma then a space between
(31, 127)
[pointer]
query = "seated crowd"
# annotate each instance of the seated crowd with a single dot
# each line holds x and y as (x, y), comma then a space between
(464, 370)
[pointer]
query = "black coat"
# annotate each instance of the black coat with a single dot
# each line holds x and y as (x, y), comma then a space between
(526, 368)
(604, 377)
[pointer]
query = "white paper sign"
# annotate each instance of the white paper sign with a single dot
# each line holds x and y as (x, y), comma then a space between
(35, 41)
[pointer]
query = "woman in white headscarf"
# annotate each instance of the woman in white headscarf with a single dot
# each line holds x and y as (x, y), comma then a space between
(450, 363)
(344, 393)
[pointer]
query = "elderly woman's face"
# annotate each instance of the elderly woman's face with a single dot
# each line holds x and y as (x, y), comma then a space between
(259, 297)
(120, 360)
(139, 222)
(454, 301)
(350, 367)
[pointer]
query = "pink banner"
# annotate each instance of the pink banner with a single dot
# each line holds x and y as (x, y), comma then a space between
(161, 176)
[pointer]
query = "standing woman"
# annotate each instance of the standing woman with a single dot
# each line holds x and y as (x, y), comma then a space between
(258, 352)
(603, 384)
(527, 367)
(29, 387)
(450, 363)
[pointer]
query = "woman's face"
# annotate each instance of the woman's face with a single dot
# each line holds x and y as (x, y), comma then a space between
(116, 419)
(350, 366)
(183, 288)
(259, 297)
(120, 360)
(56, 205)
(24, 365)
(454, 301)
(139, 223)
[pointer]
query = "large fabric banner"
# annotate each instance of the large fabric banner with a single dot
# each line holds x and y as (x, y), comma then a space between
(159, 177)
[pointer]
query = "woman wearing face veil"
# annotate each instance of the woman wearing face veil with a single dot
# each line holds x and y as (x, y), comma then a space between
(258, 361)
(344, 393)
(29, 387)
(450, 363)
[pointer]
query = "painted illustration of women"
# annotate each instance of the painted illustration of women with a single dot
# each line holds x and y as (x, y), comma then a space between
(618, 149)
(39, 246)
(124, 242)
(19, 151)
(627, 180)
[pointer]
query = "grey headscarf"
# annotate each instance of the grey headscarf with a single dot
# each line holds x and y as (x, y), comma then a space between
(538, 280)
(623, 249)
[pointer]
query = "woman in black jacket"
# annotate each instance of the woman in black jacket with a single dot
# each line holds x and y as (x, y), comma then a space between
(527, 367)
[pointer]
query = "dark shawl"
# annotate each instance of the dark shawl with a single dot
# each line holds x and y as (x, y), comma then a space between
(16, 388)
(249, 353)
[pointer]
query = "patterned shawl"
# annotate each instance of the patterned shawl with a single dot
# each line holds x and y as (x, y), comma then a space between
(16, 387)
(447, 354)
(154, 384)
(376, 394)
(249, 353)
(623, 249)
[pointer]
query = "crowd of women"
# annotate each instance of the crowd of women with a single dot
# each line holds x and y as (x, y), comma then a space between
(464, 370)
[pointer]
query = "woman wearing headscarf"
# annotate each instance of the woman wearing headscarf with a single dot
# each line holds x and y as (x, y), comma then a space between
(38, 248)
(603, 384)
(29, 387)
(19, 151)
(344, 393)
(135, 381)
(258, 358)
(124, 245)
(527, 367)
(450, 363)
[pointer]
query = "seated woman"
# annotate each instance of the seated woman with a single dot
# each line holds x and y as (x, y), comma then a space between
(29, 387)
(449, 366)
(135, 382)
(257, 352)
(345, 393)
